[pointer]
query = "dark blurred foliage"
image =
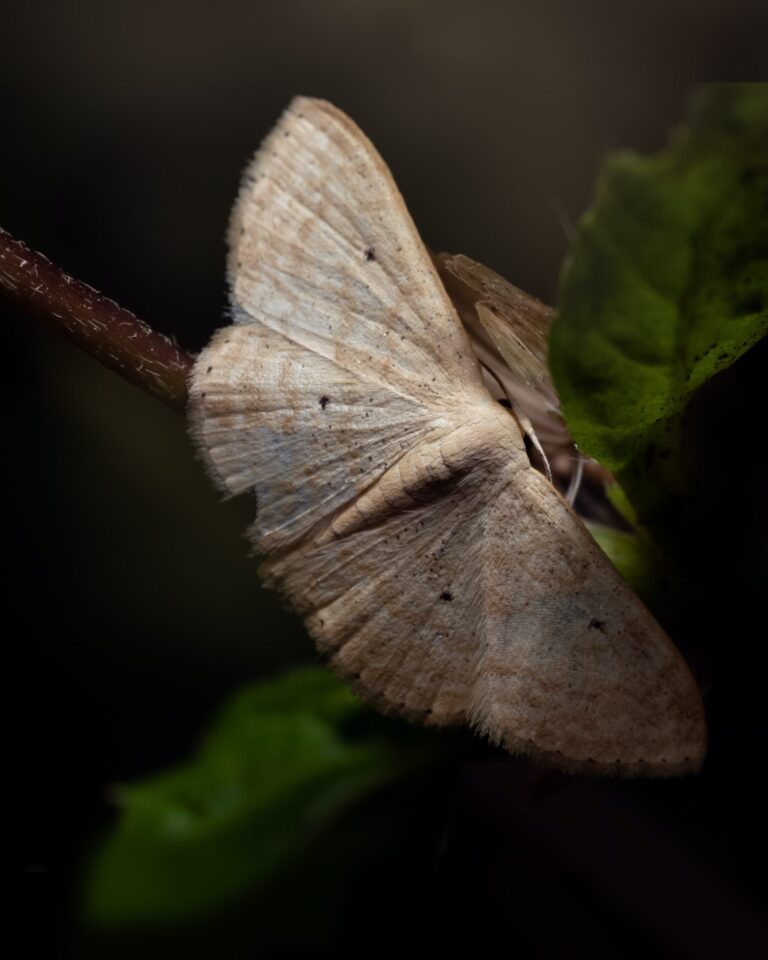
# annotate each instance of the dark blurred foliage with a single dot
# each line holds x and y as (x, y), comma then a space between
(132, 607)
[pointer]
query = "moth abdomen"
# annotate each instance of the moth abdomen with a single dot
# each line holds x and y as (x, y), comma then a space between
(425, 474)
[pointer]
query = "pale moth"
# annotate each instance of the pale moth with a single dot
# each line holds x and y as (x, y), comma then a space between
(442, 576)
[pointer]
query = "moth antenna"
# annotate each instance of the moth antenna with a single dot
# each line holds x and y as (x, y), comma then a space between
(575, 482)
(527, 426)
(524, 421)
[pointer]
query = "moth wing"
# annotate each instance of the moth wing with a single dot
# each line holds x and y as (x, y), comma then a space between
(516, 324)
(392, 590)
(489, 603)
(346, 345)
(324, 252)
(510, 331)
(574, 666)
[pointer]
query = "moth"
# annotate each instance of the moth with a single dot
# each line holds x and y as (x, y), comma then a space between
(397, 509)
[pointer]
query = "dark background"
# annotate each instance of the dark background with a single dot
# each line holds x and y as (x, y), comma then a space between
(133, 609)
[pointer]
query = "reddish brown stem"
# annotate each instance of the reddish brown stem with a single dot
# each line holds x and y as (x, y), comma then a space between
(96, 324)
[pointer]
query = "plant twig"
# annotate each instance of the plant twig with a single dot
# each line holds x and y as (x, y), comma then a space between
(96, 324)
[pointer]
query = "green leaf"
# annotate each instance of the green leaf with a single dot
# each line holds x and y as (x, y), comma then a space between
(665, 285)
(635, 556)
(285, 760)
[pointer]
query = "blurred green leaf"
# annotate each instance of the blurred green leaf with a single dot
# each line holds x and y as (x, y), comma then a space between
(635, 556)
(285, 760)
(665, 285)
